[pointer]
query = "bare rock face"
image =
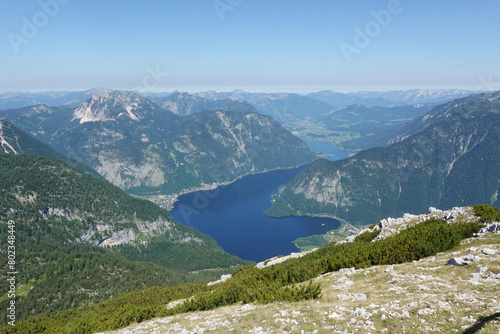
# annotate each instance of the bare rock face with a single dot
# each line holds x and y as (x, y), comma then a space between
(489, 251)
(112, 236)
(118, 238)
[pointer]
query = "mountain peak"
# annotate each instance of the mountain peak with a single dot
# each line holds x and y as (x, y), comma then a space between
(110, 105)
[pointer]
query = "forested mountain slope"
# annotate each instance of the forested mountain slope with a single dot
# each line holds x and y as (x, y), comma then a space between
(75, 237)
(453, 160)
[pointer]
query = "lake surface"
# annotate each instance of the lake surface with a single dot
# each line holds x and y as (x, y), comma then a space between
(233, 214)
(329, 148)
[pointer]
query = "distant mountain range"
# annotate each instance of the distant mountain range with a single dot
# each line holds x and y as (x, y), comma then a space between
(353, 121)
(447, 157)
(12, 100)
(140, 147)
(390, 98)
(267, 103)
(281, 106)
(184, 104)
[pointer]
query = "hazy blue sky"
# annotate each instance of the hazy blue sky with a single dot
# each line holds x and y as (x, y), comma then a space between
(256, 45)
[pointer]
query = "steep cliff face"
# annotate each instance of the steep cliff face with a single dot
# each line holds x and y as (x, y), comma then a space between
(5, 139)
(453, 160)
(144, 149)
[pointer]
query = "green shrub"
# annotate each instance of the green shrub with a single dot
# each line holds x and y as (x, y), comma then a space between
(487, 213)
(367, 236)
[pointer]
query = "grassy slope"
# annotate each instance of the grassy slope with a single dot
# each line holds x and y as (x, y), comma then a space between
(425, 296)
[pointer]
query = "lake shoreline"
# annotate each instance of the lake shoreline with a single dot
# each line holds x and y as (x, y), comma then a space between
(168, 201)
(233, 217)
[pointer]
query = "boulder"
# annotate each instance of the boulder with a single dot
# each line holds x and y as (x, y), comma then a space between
(462, 261)
(488, 251)
(434, 210)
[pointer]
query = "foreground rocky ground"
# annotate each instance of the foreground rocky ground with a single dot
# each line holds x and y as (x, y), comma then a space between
(426, 296)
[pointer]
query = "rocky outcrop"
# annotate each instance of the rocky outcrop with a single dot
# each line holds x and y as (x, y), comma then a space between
(462, 261)
(489, 228)
(4, 142)
(117, 238)
(110, 235)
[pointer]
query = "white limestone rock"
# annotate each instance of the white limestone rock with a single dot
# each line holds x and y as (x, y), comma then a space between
(488, 251)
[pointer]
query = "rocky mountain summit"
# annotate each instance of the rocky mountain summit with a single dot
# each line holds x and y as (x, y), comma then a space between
(110, 105)
(429, 295)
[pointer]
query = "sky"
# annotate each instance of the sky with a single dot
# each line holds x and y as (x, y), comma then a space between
(255, 45)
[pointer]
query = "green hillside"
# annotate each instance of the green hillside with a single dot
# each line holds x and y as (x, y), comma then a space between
(61, 215)
(451, 159)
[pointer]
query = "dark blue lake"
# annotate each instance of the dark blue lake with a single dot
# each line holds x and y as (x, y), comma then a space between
(233, 216)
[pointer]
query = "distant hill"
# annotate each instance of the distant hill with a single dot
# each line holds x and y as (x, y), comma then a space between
(373, 126)
(184, 104)
(450, 158)
(13, 100)
(284, 107)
